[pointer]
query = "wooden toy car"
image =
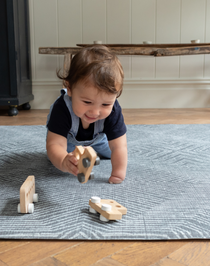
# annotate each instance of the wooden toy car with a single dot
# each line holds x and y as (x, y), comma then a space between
(109, 209)
(87, 159)
(27, 196)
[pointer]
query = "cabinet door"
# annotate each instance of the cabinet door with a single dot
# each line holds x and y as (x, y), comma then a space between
(7, 52)
(22, 48)
(15, 65)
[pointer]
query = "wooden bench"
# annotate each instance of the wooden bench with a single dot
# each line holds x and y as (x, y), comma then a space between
(156, 50)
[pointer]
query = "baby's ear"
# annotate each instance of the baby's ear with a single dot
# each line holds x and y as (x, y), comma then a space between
(68, 90)
(65, 84)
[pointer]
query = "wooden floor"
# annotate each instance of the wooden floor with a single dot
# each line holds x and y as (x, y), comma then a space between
(109, 253)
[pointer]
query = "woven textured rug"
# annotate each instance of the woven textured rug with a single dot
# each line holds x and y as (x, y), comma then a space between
(166, 191)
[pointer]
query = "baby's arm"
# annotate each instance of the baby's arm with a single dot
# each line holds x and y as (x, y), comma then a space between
(119, 159)
(57, 152)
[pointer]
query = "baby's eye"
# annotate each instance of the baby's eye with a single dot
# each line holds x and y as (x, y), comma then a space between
(106, 104)
(87, 102)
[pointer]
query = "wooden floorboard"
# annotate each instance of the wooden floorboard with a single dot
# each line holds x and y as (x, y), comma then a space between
(147, 253)
(195, 253)
(109, 253)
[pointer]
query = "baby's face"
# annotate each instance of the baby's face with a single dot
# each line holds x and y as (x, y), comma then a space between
(89, 103)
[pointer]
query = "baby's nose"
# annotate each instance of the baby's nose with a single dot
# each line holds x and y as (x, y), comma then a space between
(95, 112)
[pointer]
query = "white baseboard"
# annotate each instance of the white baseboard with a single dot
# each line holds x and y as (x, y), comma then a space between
(157, 93)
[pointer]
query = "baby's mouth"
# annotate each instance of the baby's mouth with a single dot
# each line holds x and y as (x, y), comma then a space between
(91, 118)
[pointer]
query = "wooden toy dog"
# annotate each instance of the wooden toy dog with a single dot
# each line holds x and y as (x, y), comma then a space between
(27, 196)
(109, 209)
(87, 159)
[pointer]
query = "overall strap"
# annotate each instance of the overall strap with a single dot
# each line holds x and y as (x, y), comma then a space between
(74, 119)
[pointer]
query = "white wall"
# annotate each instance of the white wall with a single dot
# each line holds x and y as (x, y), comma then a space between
(167, 82)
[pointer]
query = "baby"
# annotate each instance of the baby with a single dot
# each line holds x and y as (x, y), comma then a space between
(87, 113)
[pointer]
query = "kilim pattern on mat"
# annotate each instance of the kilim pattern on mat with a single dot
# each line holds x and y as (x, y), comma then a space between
(166, 191)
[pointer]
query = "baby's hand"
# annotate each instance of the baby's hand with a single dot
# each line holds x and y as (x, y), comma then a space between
(115, 180)
(70, 163)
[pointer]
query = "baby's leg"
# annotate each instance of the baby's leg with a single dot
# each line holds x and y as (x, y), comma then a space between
(102, 148)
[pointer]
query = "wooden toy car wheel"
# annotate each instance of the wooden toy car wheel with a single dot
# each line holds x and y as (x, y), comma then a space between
(97, 162)
(91, 176)
(18, 209)
(30, 208)
(94, 200)
(92, 210)
(35, 197)
(105, 207)
(86, 162)
(81, 177)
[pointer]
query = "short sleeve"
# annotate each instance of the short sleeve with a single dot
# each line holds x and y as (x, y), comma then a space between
(114, 126)
(60, 118)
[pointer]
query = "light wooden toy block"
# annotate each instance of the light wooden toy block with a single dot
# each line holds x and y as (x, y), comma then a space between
(87, 159)
(109, 209)
(27, 196)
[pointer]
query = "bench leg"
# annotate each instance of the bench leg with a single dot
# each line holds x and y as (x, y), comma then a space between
(66, 66)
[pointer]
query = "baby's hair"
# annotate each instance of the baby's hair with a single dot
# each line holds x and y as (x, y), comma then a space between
(98, 63)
